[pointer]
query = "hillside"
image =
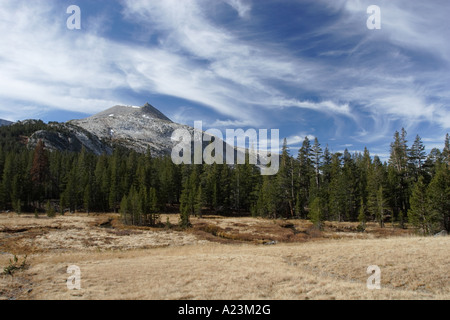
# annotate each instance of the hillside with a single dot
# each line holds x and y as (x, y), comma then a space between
(5, 123)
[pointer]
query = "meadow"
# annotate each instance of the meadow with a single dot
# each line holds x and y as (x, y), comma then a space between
(218, 258)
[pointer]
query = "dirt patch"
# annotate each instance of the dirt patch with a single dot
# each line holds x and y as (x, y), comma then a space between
(224, 231)
(22, 235)
(17, 230)
(15, 288)
(25, 234)
(124, 232)
(257, 231)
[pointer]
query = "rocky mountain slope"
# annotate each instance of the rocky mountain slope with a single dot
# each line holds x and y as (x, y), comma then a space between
(68, 137)
(132, 127)
(136, 128)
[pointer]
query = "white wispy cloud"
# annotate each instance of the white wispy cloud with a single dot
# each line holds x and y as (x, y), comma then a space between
(240, 73)
(330, 106)
(298, 139)
(404, 83)
(242, 7)
(44, 65)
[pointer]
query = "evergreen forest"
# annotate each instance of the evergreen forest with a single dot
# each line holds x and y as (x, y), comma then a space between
(411, 188)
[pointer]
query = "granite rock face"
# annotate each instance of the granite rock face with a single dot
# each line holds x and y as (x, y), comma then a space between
(66, 137)
(135, 128)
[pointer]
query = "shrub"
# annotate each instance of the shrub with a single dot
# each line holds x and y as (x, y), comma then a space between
(51, 213)
(14, 266)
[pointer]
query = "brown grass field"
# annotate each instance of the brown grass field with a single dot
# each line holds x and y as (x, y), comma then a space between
(219, 258)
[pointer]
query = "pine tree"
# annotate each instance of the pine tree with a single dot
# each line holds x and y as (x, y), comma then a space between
(8, 176)
(82, 176)
(186, 205)
(326, 181)
(40, 170)
(223, 189)
(284, 182)
(267, 200)
(87, 198)
(446, 151)
(146, 217)
(351, 178)
(154, 207)
(300, 205)
(420, 214)
(114, 182)
(167, 180)
(399, 158)
(381, 207)
(72, 191)
(337, 190)
(316, 213)
(417, 158)
(63, 202)
(438, 194)
(50, 210)
(376, 180)
(101, 183)
(362, 217)
(134, 206)
(364, 167)
(317, 160)
(124, 210)
(17, 206)
(198, 205)
(401, 220)
(210, 179)
(305, 172)
(398, 174)
(16, 191)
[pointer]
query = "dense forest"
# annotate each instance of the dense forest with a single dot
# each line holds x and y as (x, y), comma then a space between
(412, 187)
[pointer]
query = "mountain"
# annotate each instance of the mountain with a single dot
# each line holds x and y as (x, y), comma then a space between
(135, 128)
(5, 123)
(68, 137)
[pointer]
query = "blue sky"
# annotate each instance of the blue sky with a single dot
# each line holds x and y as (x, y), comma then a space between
(307, 67)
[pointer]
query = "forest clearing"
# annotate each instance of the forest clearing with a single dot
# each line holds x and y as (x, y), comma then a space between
(218, 258)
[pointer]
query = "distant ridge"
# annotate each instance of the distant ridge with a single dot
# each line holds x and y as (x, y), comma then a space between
(5, 123)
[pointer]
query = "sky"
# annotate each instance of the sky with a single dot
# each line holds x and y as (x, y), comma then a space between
(306, 67)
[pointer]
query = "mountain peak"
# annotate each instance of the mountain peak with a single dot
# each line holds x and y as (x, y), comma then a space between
(147, 110)
(133, 127)
(151, 110)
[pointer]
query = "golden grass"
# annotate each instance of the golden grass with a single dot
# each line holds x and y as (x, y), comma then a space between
(330, 267)
(25, 234)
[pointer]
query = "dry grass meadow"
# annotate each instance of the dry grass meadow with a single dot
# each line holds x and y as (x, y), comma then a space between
(219, 258)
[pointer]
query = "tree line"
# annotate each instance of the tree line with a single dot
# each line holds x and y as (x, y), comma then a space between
(315, 184)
